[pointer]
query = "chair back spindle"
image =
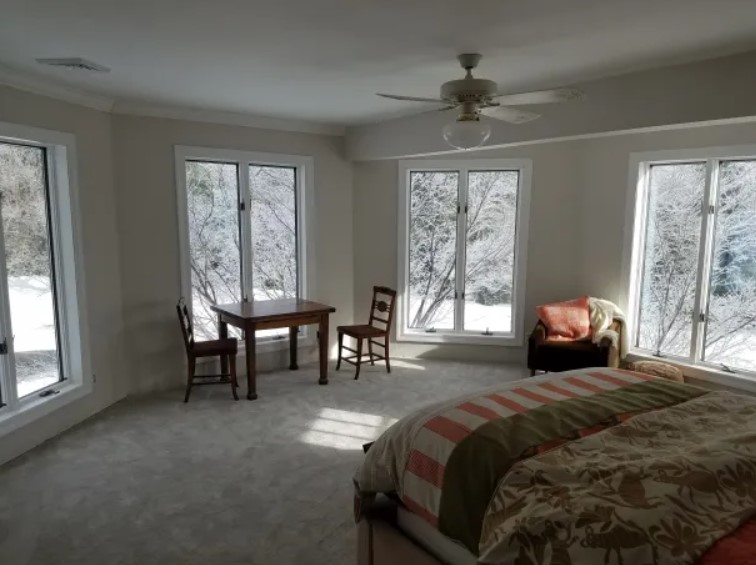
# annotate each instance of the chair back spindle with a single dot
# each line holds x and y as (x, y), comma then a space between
(186, 324)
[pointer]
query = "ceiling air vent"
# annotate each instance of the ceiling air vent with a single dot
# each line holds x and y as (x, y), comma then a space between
(75, 63)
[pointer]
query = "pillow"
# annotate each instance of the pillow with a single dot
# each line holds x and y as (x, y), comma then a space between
(566, 321)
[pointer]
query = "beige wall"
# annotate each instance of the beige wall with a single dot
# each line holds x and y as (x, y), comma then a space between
(577, 221)
(148, 230)
(100, 257)
(552, 243)
(604, 185)
(130, 248)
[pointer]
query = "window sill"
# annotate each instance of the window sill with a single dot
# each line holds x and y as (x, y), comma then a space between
(702, 373)
(460, 339)
(34, 407)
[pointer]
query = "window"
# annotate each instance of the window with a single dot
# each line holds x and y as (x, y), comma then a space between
(462, 241)
(693, 288)
(41, 353)
(242, 230)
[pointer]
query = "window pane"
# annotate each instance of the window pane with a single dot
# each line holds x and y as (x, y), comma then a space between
(28, 265)
(489, 259)
(670, 257)
(432, 249)
(274, 234)
(731, 327)
(212, 200)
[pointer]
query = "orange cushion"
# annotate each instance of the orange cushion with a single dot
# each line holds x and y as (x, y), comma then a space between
(566, 321)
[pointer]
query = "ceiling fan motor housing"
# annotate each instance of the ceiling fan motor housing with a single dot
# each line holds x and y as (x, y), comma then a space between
(468, 90)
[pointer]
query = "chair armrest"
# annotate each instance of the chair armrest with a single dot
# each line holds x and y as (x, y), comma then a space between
(538, 335)
(606, 342)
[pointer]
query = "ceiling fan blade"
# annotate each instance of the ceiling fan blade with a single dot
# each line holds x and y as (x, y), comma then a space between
(541, 97)
(511, 115)
(412, 98)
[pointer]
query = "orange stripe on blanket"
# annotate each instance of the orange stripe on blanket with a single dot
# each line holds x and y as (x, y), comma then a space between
(415, 508)
(447, 428)
(559, 390)
(508, 403)
(582, 384)
(426, 468)
(610, 379)
(479, 410)
(534, 396)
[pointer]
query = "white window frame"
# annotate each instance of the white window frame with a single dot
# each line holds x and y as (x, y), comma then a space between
(634, 243)
(516, 336)
(305, 177)
(70, 290)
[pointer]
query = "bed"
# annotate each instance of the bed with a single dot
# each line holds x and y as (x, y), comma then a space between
(590, 466)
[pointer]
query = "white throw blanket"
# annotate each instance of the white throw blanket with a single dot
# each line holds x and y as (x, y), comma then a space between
(602, 314)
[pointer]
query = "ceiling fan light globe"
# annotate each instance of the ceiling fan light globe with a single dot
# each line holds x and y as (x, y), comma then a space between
(466, 134)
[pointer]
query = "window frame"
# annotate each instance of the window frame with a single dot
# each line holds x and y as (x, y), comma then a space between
(464, 166)
(304, 178)
(62, 200)
(636, 220)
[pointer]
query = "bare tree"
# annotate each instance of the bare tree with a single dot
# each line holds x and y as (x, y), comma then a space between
(489, 239)
(214, 236)
(671, 255)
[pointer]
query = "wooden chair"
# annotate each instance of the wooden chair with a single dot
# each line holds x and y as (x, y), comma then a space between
(223, 348)
(379, 326)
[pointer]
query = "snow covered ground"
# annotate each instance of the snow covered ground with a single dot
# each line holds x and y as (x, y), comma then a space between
(478, 317)
(33, 320)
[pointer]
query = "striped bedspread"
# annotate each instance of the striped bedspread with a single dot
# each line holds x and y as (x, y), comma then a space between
(445, 461)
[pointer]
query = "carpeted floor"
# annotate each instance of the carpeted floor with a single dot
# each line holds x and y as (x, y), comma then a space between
(152, 480)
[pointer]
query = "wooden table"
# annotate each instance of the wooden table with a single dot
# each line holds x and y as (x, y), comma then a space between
(270, 314)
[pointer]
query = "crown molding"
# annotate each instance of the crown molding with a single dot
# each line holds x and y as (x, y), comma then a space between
(35, 85)
(45, 87)
(225, 118)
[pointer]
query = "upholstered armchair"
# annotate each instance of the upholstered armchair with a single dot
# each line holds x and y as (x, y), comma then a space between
(554, 356)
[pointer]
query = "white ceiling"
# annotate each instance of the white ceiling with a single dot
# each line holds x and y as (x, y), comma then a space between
(323, 60)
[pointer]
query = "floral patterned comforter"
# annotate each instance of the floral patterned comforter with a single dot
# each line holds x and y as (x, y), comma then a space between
(661, 487)
(589, 466)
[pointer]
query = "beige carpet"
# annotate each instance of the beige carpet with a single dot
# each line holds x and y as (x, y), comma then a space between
(153, 480)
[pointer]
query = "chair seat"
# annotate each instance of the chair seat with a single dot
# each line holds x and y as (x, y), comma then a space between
(361, 331)
(214, 347)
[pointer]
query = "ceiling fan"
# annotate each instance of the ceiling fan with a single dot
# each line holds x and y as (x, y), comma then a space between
(476, 96)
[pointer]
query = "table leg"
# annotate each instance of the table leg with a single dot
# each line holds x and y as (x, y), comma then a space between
(293, 331)
(249, 345)
(223, 334)
(323, 331)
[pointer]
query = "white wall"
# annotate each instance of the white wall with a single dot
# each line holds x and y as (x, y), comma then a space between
(147, 225)
(552, 244)
(100, 257)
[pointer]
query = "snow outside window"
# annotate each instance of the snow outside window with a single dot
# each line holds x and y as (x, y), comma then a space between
(241, 222)
(694, 295)
(462, 228)
(44, 361)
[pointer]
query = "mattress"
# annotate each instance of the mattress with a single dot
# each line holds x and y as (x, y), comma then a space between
(434, 542)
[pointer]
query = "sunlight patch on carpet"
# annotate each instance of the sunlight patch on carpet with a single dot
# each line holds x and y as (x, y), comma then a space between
(344, 429)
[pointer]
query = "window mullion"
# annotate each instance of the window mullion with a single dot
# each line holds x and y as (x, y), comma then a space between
(8, 382)
(459, 294)
(245, 223)
(705, 250)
